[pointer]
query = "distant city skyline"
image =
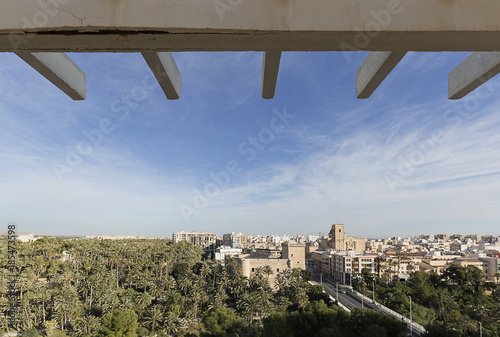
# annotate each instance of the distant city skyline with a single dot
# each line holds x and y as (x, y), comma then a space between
(127, 161)
(254, 234)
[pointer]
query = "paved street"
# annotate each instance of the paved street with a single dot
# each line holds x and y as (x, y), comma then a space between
(345, 295)
(347, 298)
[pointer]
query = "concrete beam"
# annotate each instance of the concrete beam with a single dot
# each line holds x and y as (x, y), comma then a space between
(270, 68)
(478, 68)
(59, 69)
(191, 25)
(166, 72)
(374, 70)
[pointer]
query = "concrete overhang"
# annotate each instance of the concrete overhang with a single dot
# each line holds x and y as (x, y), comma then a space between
(40, 31)
(242, 25)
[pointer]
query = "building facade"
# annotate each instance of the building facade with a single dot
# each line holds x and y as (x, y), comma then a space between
(234, 240)
(292, 256)
(223, 251)
(203, 239)
(345, 266)
(338, 241)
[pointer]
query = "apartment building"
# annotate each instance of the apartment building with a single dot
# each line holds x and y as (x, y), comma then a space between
(203, 239)
(344, 266)
(234, 240)
(223, 251)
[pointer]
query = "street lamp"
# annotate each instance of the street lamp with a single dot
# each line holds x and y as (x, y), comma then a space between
(480, 329)
(411, 320)
(373, 292)
(337, 292)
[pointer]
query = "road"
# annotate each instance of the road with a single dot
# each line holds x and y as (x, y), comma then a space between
(347, 298)
(345, 295)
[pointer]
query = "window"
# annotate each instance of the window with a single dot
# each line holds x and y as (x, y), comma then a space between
(253, 269)
(292, 254)
(339, 230)
(277, 270)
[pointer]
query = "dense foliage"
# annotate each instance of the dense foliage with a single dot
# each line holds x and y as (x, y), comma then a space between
(132, 288)
(448, 305)
(317, 320)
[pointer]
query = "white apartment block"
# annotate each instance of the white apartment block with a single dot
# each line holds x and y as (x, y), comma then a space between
(222, 252)
(344, 266)
(233, 240)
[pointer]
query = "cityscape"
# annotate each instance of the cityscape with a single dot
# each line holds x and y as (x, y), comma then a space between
(349, 273)
(337, 256)
(263, 168)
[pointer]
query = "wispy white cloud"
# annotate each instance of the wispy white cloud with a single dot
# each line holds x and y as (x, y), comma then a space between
(455, 187)
(330, 164)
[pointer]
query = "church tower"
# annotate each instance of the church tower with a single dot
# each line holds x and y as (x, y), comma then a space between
(337, 237)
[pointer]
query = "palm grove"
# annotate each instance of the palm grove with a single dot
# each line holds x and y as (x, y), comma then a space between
(155, 288)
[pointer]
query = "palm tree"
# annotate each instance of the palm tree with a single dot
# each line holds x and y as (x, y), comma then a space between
(399, 256)
(109, 301)
(301, 297)
(281, 282)
(154, 316)
(218, 299)
(198, 295)
(391, 263)
(169, 282)
(86, 325)
(444, 305)
(229, 262)
(184, 284)
(205, 269)
(4, 321)
(249, 304)
(66, 304)
(92, 281)
(126, 303)
(26, 318)
(411, 267)
(268, 271)
(143, 300)
(50, 326)
(170, 323)
(155, 288)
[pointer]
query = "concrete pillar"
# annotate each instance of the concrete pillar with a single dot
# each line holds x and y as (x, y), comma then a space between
(166, 72)
(478, 68)
(374, 70)
(270, 68)
(59, 69)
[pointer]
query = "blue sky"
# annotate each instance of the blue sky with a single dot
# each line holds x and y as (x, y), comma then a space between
(406, 161)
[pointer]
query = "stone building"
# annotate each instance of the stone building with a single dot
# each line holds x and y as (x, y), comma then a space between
(292, 256)
(338, 241)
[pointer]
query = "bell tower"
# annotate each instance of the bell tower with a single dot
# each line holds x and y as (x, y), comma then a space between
(337, 235)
